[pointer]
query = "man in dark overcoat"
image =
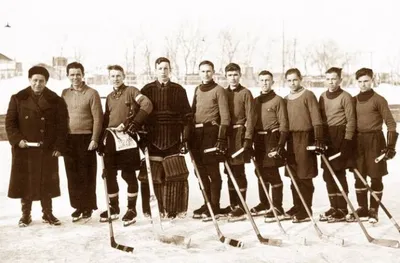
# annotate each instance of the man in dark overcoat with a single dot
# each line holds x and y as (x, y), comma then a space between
(36, 126)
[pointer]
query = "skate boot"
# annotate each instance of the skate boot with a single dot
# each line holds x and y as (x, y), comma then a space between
(338, 216)
(87, 214)
(270, 217)
(130, 217)
(26, 218)
(301, 217)
(76, 215)
(362, 213)
(197, 214)
(325, 216)
(237, 214)
(259, 210)
(114, 210)
(373, 216)
(292, 211)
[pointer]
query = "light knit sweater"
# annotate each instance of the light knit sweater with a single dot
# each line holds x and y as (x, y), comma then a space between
(84, 110)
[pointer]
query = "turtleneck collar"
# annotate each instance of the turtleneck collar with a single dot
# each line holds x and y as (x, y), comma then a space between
(334, 94)
(264, 97)
(364, 96)
(237, 89)
(297, 91)
(208, 86)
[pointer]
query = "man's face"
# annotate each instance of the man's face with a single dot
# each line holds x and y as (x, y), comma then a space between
(206, 73)
(364, 83)
(75, 76)
(233, 78)
(293, 81)
(332, 81)
(38, 83)
(116, 77)
(266, 82)
(163, 71)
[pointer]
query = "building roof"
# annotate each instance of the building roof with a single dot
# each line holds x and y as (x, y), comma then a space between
(3, 57)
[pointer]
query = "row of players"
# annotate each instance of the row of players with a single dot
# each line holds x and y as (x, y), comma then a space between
(227, 119)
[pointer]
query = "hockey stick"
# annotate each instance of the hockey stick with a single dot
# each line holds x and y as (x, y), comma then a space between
(379, 158)
(301, 240)
(335, 240)
(382, 242)
(222, 238)
(263, 240)
(377, 199)
(114, 244)
(155, 212)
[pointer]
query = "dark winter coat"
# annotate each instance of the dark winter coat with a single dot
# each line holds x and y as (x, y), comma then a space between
(34, 171)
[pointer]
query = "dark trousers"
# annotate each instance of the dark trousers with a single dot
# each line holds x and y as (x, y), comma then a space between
(81, 169)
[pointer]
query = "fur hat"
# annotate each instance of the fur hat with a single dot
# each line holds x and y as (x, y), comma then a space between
(39, 70)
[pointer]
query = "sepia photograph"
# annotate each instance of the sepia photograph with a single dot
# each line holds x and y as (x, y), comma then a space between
(194, 131)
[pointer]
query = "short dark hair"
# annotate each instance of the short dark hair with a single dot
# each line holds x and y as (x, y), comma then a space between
(116, 67)
(75, 65)
(162, 59)
(206, 62)
(232, 67)
(364, 71)
(39, 70)
(265, 72)
(336, 70)
(293, 71)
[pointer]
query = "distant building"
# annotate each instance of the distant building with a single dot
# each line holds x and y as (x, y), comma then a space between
(54, 73)
(9, 68)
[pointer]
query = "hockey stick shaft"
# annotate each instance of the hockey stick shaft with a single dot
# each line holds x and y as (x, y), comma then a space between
(112, 238)
(296, 186)
(269, 241)
(222, 238)
(340, 187)
(264, 187)
(377, 199)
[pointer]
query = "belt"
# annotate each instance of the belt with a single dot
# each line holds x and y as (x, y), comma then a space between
(201, 125)
(235, 126)
(267, 132)
(156, 158)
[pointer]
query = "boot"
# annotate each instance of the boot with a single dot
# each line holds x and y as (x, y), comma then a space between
(374, 207)
(26, 219)
(238, 213)
(333, 202)
(130, 215)
(296, 202)
(260, 209)
(197, 214)
(76, 215)
(263, 206)
(233, 200)
(362, 210)
(114, 209)
(47, 210)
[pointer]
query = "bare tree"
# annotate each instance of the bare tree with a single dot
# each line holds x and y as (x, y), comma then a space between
(171, 50)
(306, 56)
(229, 46)
(146, 56)
(327, 54)
(191, 45)
(249, 45)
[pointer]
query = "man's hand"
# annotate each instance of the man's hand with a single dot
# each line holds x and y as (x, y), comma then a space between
(280, 152)
(222, 146)
(93, 145)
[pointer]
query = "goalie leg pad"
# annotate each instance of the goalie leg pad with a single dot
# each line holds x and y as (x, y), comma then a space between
(157, 170)
(175, 168)
(176, 196)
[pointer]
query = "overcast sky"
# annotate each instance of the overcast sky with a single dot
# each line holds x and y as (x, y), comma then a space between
(102, 31)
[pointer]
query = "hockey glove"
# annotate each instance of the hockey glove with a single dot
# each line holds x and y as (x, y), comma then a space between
(390, 151)
(222, 143)
(319, 140)
(248, 149)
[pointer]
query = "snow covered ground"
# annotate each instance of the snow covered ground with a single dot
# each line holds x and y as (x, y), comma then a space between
(79, 242)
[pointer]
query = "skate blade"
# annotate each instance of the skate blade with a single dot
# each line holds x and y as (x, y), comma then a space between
(372, 221)
(23, 224)
(353, 220)
(51, 223)
(208, 219)
(105, 220)
(273, 219)
(197, 216)
(76, 219)
(261, 213)
(323, 218)
(297, 221)
(236, 219)
(336, 220)
(128, 223)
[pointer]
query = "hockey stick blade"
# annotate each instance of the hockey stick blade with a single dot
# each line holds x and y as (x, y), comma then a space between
(269, 241)
(332, 239)
(121, 247)
(296, 239)
(231, 242)
(386, 242)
